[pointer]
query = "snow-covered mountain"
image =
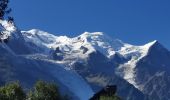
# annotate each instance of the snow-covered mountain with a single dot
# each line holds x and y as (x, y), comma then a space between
(84, 64)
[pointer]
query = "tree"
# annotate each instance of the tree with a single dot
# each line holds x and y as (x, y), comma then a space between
(44, 91)
(107, 93)
(12, 91)
(106, 97)
(5, 10)
(3, 7)
(4, 15)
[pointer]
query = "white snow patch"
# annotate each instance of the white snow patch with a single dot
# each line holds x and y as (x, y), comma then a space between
(127, 70)
(6, 28)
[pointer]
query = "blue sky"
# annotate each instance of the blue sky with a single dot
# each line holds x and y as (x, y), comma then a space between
(133, 21)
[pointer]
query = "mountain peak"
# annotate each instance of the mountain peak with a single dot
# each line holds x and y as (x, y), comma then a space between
(156, 46)
(95, 36)
(150, 44)
(92, 34)
(102, 42)
(34, 31)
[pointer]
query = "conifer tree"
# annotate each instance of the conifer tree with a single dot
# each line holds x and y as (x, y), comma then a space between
(12, 91)
(44, 91)
(5, 10)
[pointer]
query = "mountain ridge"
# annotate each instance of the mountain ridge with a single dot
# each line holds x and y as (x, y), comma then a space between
(92, 60)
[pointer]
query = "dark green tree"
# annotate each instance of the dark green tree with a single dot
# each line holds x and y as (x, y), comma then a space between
(5, 10)
(107, 93)
(12, 91)
(106, 97)
(44, 91)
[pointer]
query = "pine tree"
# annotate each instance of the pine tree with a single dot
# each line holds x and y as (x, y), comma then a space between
(113, 97)
(12, 91)
(44, 91)
(3, 7)
(5, 15)
(5, 10)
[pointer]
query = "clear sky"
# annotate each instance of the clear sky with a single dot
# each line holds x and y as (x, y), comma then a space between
(133, 21)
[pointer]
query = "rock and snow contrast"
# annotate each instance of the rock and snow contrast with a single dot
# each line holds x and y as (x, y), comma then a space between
(84, 64)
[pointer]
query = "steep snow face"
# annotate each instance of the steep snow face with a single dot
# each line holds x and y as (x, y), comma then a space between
(69, 78)
(127, 70)
(74, 82)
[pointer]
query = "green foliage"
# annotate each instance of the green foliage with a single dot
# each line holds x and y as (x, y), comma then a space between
(12, 91)
(44, 91)
(105, 97)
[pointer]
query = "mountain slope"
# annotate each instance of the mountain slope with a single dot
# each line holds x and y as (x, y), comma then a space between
(84, 64)
(152, 72)
(80, 54)
(18, 61)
